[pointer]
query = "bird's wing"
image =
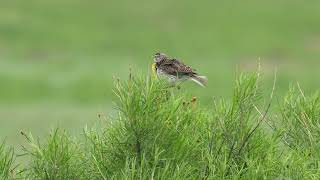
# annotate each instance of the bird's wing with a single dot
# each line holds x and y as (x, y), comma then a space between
(175, 67)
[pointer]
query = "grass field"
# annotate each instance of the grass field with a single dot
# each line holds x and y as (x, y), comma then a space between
(58, 58)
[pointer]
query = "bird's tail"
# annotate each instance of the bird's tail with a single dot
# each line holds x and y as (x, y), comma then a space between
(201, 80)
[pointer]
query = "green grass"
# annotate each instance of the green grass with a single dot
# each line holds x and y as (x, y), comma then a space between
(6, 161)
(160, 132)
(58, 59)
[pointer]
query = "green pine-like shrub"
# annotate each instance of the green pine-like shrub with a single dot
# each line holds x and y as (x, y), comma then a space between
(6, 161)
(58, 157)
(160, 132)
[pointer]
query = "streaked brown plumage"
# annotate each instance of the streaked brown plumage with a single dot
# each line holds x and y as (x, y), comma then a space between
(175, 70)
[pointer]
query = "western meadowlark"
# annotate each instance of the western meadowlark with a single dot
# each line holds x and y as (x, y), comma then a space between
(175, 71)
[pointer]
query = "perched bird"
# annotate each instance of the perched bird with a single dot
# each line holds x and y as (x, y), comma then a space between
(175, 71)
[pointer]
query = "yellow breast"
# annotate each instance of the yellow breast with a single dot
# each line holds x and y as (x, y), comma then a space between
(154, 69)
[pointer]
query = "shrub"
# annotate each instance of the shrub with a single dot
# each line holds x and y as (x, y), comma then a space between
(155, 134)
(6, 161)
(57, 158)
(299, 125)
(237, 145)
(160, 132)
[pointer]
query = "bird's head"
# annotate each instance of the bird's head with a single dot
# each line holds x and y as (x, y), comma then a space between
(158, 57)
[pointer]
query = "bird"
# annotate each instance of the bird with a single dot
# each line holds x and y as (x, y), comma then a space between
(175, 71)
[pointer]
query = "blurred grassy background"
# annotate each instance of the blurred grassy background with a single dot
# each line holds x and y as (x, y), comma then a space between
(58, 58)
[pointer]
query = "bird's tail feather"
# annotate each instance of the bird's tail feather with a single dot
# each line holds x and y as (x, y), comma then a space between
(201, 80)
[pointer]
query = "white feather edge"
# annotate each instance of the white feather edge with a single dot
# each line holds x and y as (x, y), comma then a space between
(198, 82)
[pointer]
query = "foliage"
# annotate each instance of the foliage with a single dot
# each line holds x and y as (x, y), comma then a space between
(300, 128)
(6, 161)
(160, 132)
(57, 158)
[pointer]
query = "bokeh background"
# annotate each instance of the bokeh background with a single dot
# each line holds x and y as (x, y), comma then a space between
(58, 58)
